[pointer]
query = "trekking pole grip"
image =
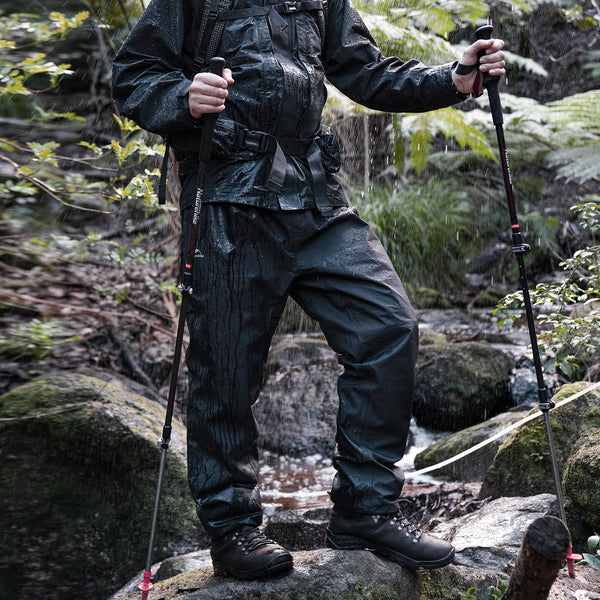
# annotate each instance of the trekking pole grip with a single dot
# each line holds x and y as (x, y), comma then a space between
(490, 82)
(216, 66)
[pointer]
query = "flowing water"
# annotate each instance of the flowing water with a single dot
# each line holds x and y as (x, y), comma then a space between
(288, 482)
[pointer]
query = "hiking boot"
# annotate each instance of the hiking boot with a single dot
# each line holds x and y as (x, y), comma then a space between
(248, 554)
(391, 536)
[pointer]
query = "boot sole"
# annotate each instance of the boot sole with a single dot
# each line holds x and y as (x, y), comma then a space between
(284, 564)
(350, 542)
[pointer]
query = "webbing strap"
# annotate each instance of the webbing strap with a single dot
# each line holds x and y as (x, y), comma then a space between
(286, 8)
(210, 32)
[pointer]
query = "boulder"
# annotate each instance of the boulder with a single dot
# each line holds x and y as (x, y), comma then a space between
(474, 466)
(491, 537)
(460, 384)
(326, 574)
(487, 541)
(522, 465)
(78, 471)
(297, 407)
(582, 478)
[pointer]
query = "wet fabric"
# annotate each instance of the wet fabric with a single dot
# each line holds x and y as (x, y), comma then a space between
(248, 262)
(258, 246)
(279, 65)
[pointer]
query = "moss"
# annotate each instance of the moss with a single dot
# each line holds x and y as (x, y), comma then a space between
(460, 384)
(522, 466)
(452, 583)
(582, 476)
(474, 466)
(443, 584)
(424, 297)
(86, 480)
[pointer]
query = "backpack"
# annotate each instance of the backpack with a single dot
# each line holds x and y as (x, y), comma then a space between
(213, 19)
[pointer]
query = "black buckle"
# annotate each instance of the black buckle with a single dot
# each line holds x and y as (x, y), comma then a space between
(289, 7)
(255, 141)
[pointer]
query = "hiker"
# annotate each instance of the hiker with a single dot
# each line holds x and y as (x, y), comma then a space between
(275, 223)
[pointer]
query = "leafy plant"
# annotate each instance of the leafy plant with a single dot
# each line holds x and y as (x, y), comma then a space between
(34, 339)
(593, 557)
(571, 323)
(425, 228)
(38, 165)
(491, 593)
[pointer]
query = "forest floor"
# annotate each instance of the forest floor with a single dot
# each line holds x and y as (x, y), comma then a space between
(107, 311)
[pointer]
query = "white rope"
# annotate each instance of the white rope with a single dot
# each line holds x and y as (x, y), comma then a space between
(498, 434)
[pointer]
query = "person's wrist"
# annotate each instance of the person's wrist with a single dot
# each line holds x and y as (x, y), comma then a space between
(460, 95)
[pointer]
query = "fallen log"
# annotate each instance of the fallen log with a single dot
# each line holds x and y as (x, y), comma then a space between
(544, 550)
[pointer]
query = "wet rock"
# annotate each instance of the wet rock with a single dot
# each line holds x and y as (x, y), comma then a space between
(487, 542)
(474, 466)
(299, 529)
(297, 407)
(582, 476)
(460, 384)
(522, 466)
(327, 575)
(78, 470)
(491, 537)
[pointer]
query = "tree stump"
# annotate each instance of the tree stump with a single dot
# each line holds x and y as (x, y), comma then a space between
(545, 547)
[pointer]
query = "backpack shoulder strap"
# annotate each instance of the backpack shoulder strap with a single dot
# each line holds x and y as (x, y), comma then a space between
(210, 31)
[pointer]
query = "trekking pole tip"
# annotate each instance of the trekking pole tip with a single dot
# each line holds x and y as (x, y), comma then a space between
(571, 560)
(146, 585)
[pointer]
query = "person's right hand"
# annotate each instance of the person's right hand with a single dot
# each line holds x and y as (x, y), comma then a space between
(208, 93)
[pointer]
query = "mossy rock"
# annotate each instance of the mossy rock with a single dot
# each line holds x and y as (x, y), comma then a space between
(460, 384)
(424, 297)
(429, 337)
(582, 478)
(522, 466)
(452, 582)
(474, 466)
(78, 470)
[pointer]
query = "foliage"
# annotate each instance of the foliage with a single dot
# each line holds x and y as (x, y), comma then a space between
(34, 339)
(571, 327)
(20, 62)
(37, 164)
(491, 593)
(425, 228)
(576, 119)
(593, 557)
(409, 29)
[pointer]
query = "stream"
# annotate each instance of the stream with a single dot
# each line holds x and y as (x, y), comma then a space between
(300, 483)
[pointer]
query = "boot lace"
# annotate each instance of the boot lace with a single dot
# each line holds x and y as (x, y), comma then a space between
(250, 540)
(401, 523)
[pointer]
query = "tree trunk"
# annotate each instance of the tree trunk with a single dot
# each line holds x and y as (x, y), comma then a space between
(543, 552)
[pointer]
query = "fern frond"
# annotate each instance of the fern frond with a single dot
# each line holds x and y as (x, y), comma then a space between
(578, 163)
(579, 111)
(453, 124)
(528, 64)
(409, 42)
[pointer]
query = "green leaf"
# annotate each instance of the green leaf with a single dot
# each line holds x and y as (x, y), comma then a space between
(44, 152)
(591, 560)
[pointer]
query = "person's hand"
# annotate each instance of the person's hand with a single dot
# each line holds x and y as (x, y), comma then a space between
(492, 62)
(208, 93)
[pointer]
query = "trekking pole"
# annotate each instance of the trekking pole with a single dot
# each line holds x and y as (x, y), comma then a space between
(519, 249)
(208, 123)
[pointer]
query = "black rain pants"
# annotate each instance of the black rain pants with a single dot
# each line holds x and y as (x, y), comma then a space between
(249, 261)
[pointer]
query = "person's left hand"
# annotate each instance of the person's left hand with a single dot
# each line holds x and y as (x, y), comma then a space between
(492, 62)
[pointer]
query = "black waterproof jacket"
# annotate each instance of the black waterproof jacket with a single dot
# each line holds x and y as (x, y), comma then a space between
(279, 62)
